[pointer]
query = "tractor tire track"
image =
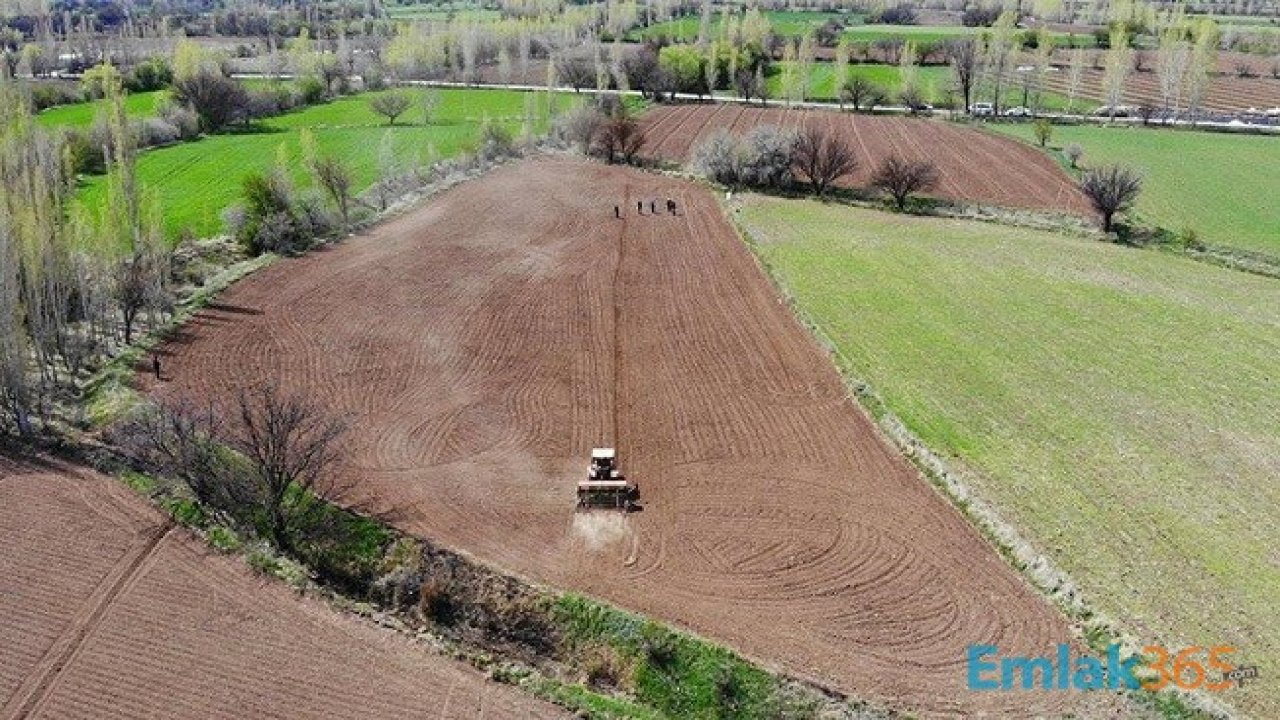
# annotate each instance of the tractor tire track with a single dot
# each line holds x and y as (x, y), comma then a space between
(26, 702)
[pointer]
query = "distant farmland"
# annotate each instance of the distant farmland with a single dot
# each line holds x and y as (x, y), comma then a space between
(1222, 186)
(82, 115)
(196, 181)
(1118, 405)
(787, 23)
(935, 82)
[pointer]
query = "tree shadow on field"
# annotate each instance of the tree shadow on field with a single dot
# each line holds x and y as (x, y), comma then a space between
(229, 308)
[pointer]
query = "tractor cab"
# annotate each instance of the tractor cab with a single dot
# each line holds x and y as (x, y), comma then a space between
(605, 486)
(603, 464)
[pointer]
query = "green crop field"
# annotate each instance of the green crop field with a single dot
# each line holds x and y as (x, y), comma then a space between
(138, 105)
(194, 182)
(934, 79)
(787, 23)
(441, 13)
(934, 34)
(935, 83)
(1119, 406)
(1213, 183)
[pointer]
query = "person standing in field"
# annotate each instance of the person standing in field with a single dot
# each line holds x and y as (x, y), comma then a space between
(155, 364)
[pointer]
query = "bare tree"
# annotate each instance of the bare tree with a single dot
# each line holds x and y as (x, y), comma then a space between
(1118, 66)
(582, 126)
(15, 391)
(336, 178)
(999, 56)
(822, 157)
(180, 440)
(430, 102)
(292, 449)
(963, 56)
(577, 71)
(391, 104)
(901, 178)
(1111, 189)
(1172, 62)
(748, 84)
(620, 137)
(217, 99)
(138, 286)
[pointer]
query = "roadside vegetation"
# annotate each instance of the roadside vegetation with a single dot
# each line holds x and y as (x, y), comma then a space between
(1117, 406)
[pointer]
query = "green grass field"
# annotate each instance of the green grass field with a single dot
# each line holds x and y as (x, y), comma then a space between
(1214, 183)
(82, 115)
(1119, 406)
(194, 182)
(934, 34)
(786, 23)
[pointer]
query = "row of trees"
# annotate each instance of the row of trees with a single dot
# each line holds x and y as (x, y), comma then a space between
(264, 463)
(74, 284)
(771, 158)
(768, 157)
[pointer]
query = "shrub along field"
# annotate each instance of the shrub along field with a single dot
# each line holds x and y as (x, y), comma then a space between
(194, 182)
(82, 115)
(1214, 183)
(1119, 406)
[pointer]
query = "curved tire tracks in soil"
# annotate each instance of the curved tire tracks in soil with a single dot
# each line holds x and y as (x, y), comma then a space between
(514, 316)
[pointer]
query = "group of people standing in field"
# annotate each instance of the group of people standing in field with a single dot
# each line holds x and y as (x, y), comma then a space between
(653, 208)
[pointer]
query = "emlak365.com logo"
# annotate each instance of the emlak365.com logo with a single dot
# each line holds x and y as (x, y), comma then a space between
(1190, 668)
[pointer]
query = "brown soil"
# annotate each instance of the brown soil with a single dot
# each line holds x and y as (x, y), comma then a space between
(974, 166)
(1226, 92)
(483, 344)
(106, 611)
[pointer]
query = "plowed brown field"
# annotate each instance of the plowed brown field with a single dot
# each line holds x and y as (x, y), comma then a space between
(107, 612)
(1226, 93)
(484, 343)
(973, 166)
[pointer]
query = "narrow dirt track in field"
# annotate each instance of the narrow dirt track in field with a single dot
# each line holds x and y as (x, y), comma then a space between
(107, 612)
(974, 166)
(483, 344)
(35, 690)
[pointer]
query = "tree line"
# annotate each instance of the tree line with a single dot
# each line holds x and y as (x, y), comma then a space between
(74, 284)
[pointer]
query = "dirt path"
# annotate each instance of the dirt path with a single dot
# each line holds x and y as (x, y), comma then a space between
(108, 612)
(482, 346)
